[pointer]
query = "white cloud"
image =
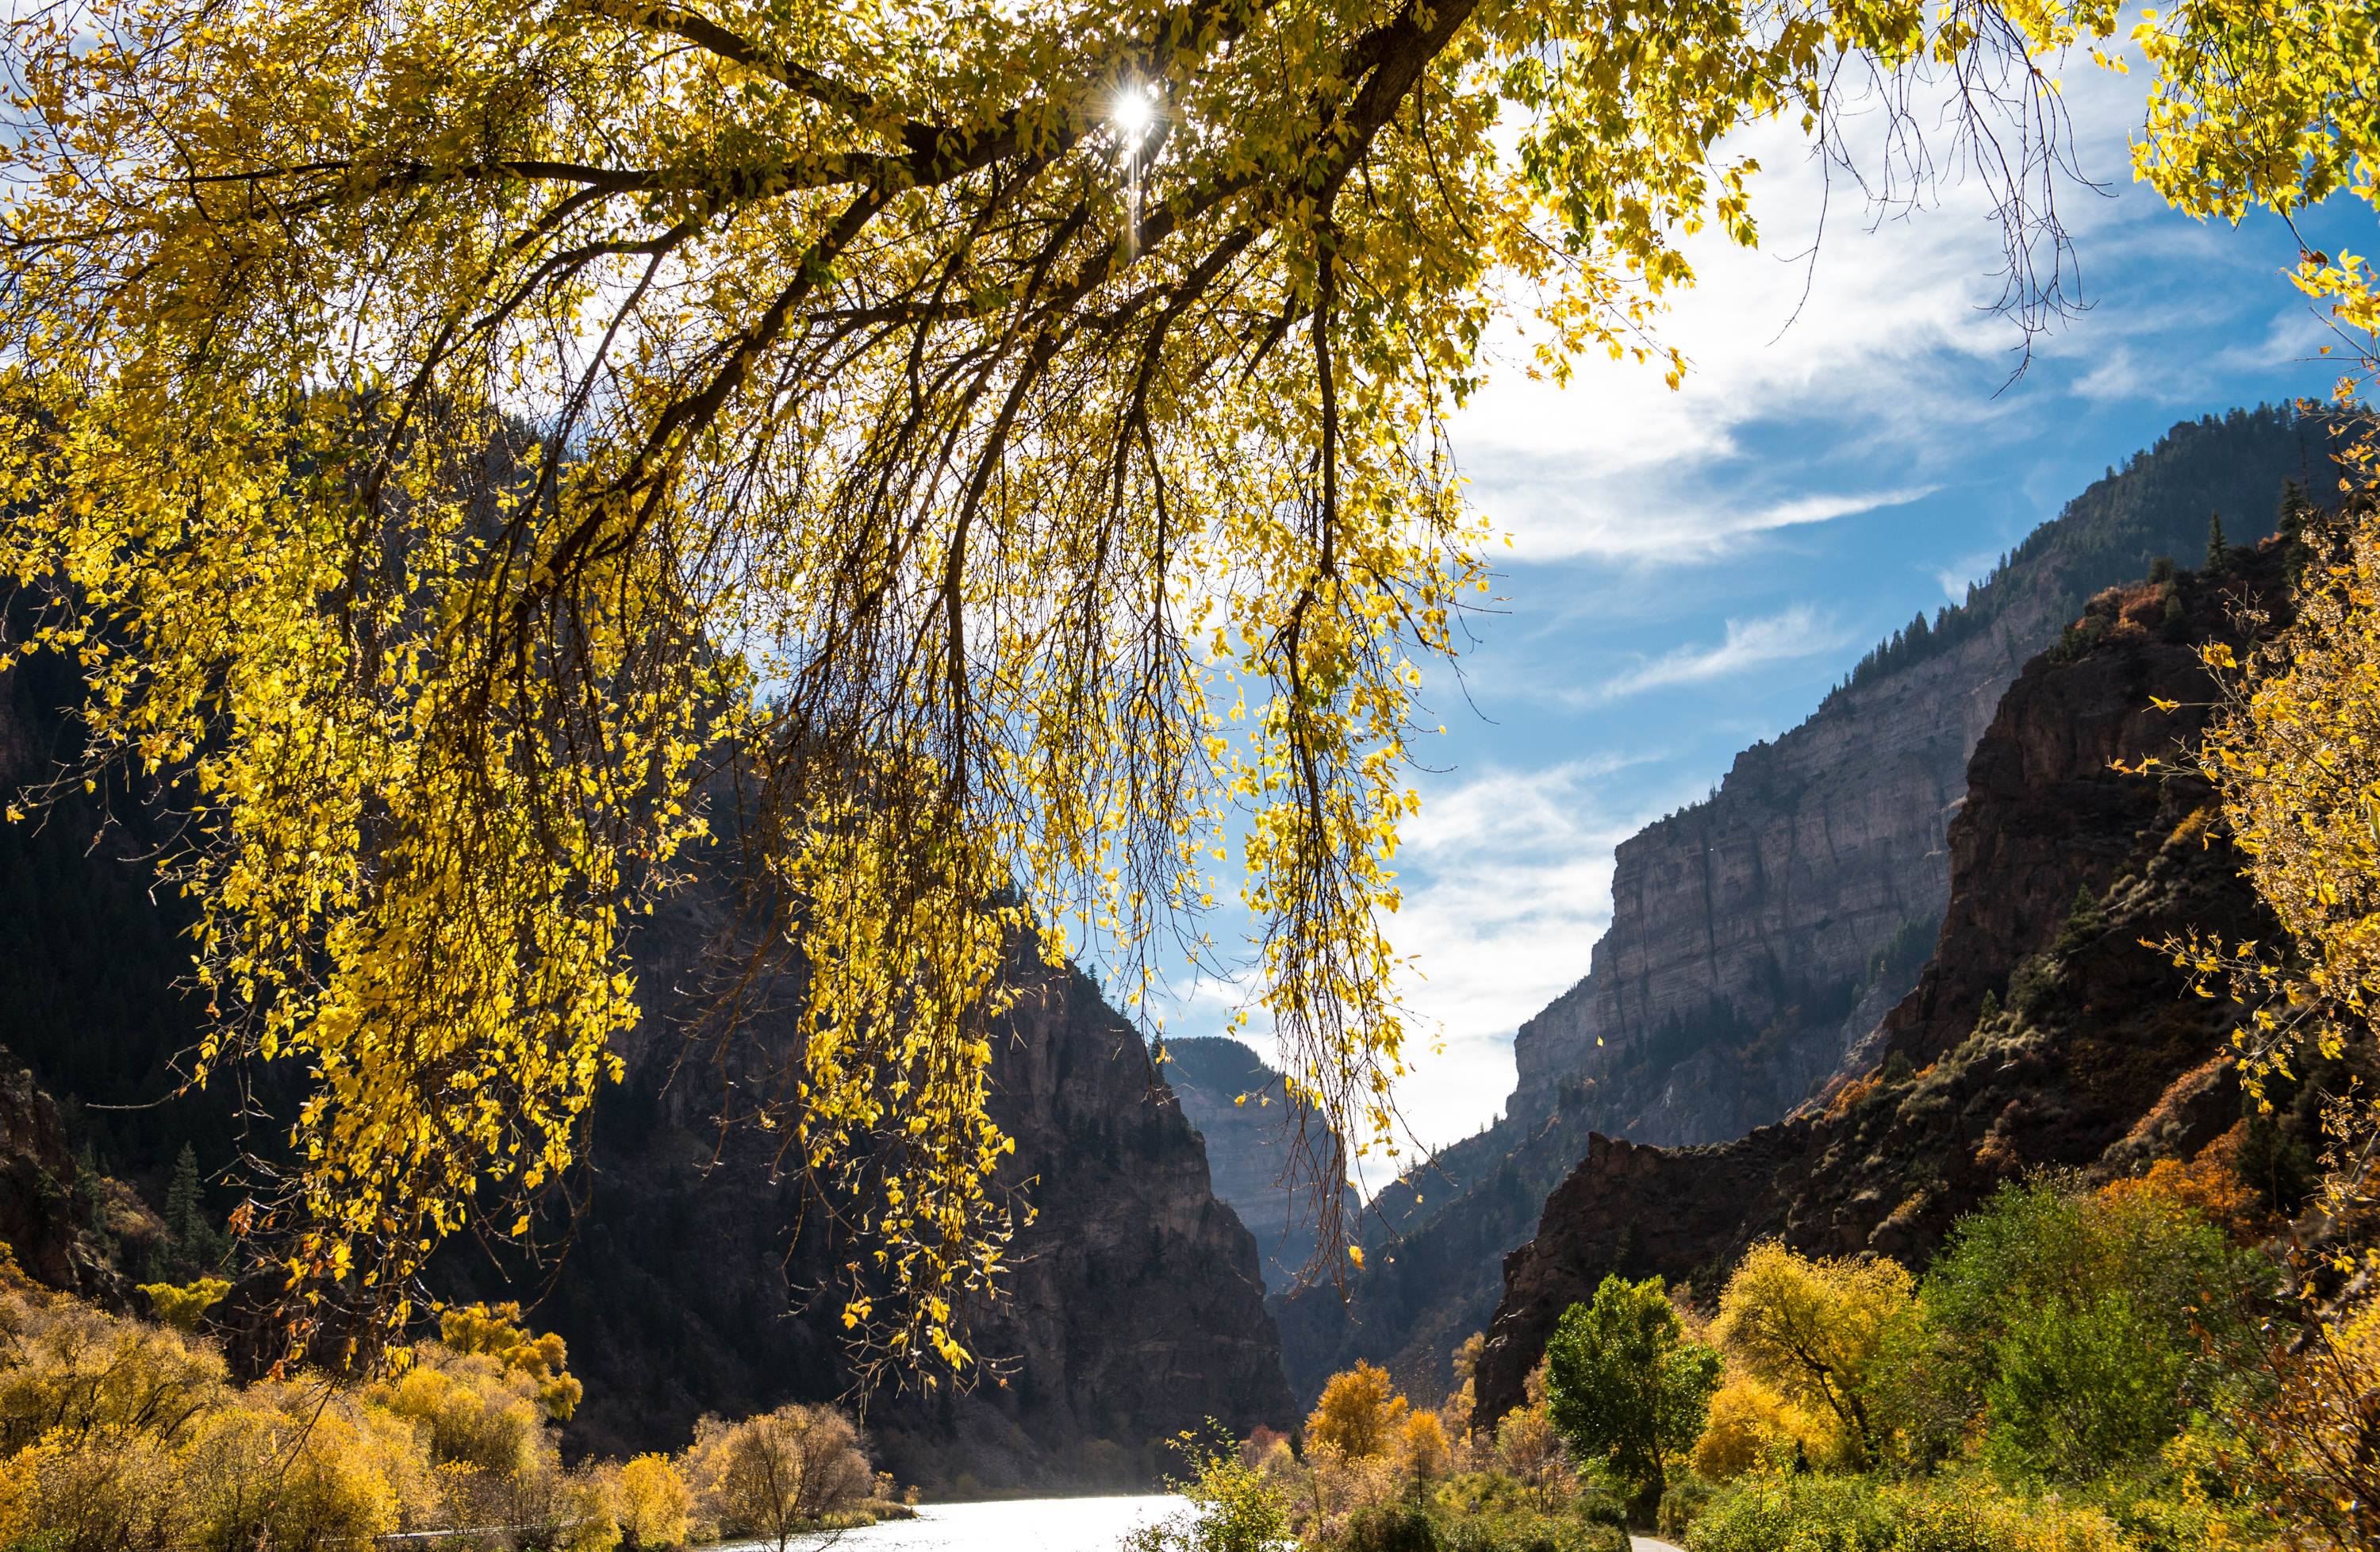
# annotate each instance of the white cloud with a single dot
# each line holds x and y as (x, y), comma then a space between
(1800, 632)
(1889, 361)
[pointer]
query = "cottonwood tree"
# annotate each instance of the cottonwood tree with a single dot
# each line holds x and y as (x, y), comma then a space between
(1625, 1383)
(959, 473)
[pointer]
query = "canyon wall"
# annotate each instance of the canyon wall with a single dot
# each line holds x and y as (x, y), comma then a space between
(1723, 992)
(1758, 939)
(2089, 1055)
(1237, 1105)
(695, 1275)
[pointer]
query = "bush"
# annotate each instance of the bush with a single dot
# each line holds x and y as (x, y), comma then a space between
(778, 1474)
(1682, 1506)
(1856, 1514)
(1237, 1509)
(1390, 1528)
(651, 1501)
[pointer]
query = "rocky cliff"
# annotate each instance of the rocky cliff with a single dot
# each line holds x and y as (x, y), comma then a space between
(1237, 1105)
(699, 1279)
(1744, 929)
(1134, 1308)
(2089, 1053)
(1758, 939)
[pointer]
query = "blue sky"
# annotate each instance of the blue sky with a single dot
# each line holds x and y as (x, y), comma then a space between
(1691, 571)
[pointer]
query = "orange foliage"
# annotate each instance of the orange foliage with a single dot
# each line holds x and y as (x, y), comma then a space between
(2209, 1183)
(1360, 1414)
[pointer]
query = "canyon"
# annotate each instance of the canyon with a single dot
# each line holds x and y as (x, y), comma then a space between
(687, 1269)
(1759, 939)
(2049, 1030)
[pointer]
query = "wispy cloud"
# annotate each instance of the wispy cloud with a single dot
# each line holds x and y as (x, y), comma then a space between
(1800, 632)
(1551, 519)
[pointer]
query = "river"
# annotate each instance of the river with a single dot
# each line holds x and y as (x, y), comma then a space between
(1019, 1526)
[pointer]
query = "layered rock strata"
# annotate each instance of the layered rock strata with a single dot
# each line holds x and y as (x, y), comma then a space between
(2091, 1054)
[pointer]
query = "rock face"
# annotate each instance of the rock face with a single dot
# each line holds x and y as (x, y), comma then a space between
(698, 1280)
(1758, 939)
(1134, 1308)
(1236, 1104)
(45, 1212)
(1744, 929)
(2095, 1057)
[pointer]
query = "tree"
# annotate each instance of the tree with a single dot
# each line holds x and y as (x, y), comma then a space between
(997, 458)
(1624, 1382)
(1813, 1329)
(651, 1500)
(2218, 552)
(1360, 1414)
(182, 1220)
(777, 1475)
(1422, 1449)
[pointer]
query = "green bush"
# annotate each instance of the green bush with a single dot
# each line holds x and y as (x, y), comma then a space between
(1601, 1509)
(1528, 1533)
(1805, 1513)
(1683, 1505)
(2085, 1328)
(1390, 1528)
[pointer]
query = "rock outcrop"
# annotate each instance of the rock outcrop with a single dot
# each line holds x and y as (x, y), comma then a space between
(2087, 1054)
(48, 1209)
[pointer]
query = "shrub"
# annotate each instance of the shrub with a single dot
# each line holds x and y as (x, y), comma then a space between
(778, 1474)
(99, 1491)
(328, 1480)
(1235, 1508)
(1390, 1528)
(2082, 1323)
(1682, 1506)
(651, 1500)
(1753, 1424)
(1856, 1514)
(67, 1372)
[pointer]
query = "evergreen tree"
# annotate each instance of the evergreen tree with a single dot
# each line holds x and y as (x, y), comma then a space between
(2218, 554)
(182, 1198)
(2295, 510)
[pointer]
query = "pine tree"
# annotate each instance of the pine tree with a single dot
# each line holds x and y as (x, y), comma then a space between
(182, 1199)
(2218, 554)
(2295, 510)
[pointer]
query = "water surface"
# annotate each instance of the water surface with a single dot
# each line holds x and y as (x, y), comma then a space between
(1020, 1525)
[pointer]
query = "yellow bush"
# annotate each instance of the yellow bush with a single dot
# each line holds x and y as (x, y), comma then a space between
(651, 1500)
(779, 1472)
(300, 1475)
(1360, 1414)
(99, 1490)
(1752, 1423)
(180, 1308)
(1813, 1329)
(1528, 1446)
(68, 1369)
(496, 1332)
(475, 1410)
(1954, 1516)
